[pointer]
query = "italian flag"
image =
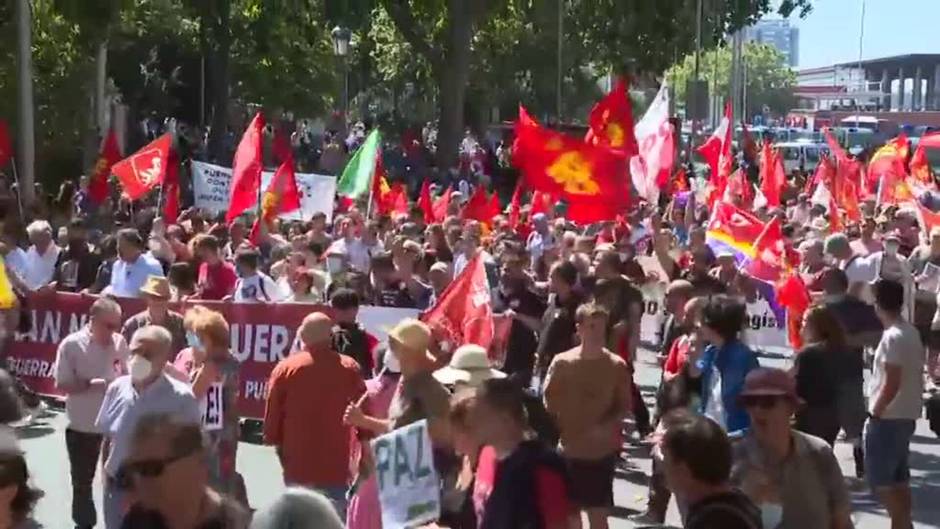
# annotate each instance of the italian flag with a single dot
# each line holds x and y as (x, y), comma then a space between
(358, 174)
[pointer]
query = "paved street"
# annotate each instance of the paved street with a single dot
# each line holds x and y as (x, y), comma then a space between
(45, 447)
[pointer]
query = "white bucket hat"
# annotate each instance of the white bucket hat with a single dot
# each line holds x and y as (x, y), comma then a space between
(469, 365)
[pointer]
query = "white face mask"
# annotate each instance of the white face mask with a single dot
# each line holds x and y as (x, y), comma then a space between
(139, 368)
(771, 514)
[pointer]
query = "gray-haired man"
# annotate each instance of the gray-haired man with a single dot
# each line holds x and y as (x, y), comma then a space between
(146, 390)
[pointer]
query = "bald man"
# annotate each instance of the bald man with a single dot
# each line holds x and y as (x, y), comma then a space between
(303, 419)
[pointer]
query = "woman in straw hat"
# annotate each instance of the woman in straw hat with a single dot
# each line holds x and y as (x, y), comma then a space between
(420, 395)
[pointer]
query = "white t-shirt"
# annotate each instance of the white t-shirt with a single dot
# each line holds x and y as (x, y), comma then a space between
(39, 269)
(900, 345)
(358, 255)
(127, 278)
(257, 288)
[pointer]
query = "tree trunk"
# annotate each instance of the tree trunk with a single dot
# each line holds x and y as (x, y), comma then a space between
(218, 58)
(452, 75)
(26, 154)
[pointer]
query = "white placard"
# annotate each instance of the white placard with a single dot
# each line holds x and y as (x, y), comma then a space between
(213, 409)
(409, 490)
(761, 330)
(211, 190)
(379, 320)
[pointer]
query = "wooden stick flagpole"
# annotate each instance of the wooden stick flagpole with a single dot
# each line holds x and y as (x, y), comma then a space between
(19, 192)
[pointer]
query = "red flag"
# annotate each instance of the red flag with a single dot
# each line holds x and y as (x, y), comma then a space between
(246, 170)
(887, 167)
(478, 207)
(717, 153)
(110, 154)
(171, 191)
(770, 253)
(591, 179)
(463, 313)
(835, 221)
(921, 172)
(825, 174)
(680, 181)
(143, 170)
(793, 295)
(515, 206)
(389, 198)
(494, 206)
(282, 194)
(425, 203)
(611, 122)
(773, 179)
(6, 144)
(928, 218)
(739, 191)
(441, 205)
(651, 167)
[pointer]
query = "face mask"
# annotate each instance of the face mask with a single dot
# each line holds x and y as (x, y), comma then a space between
(771, 514)
(192, 340)
(139, 368)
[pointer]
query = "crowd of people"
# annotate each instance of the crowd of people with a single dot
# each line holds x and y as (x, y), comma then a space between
(528, 438)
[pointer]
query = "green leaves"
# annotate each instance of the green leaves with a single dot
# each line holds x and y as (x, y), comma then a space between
(769, 80)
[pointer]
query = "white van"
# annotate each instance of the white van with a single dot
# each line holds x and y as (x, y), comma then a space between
(801, 155)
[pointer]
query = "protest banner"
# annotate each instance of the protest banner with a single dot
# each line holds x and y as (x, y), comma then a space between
(409, 491)
(261, 335)
(761, 329)
(211, 190)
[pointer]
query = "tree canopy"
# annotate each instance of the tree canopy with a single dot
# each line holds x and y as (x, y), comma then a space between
(451, 61)
(769, 80)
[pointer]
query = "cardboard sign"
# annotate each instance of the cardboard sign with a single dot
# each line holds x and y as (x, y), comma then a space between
(409, 490)
(211, 190)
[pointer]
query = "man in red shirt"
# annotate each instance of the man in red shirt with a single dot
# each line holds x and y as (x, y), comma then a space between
(216, 277)
(519, 482)
(308, 392)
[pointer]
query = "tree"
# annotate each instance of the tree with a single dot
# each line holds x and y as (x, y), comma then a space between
(769, 80)
(498, 50)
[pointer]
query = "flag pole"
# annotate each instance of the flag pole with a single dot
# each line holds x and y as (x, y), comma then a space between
(19, 192)
(371, 191)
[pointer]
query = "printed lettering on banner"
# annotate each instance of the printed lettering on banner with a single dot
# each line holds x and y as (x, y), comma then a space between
(409, 491)
(213, 408)
(261, 335)
(211, 190)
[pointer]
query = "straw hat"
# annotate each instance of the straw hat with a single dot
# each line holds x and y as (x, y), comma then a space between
(157, 287)
(412, 335)
(469, 365)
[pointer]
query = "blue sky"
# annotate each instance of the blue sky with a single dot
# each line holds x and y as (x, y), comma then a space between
(830, 33)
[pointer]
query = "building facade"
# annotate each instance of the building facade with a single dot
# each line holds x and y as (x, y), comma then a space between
(779, 34)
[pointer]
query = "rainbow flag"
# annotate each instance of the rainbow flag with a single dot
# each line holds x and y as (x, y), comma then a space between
(733, 230)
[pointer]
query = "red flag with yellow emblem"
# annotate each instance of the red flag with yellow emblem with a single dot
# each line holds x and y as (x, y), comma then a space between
(887, 168)
(282, 195)
(611, 122)
(592, 179)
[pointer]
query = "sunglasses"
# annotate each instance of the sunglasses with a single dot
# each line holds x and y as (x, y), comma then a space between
(146, 468)
(761, 401)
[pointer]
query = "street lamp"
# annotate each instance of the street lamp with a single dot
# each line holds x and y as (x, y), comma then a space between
(341, 37)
